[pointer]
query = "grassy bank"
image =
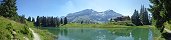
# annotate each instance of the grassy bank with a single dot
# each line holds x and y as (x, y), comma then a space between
(44, 34)
(106, 25)
(156, 33)
(10, 30)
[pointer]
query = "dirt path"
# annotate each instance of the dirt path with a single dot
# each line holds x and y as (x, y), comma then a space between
(36, 36)
(167, 30)
(167, 35)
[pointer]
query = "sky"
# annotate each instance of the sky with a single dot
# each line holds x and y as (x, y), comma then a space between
(59, 8)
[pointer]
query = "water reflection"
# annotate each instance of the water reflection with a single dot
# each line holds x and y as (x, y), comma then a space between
(125, 37)
(103, 34)
(150, 35)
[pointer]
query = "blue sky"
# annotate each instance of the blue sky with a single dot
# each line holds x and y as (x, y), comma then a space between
(59, 8)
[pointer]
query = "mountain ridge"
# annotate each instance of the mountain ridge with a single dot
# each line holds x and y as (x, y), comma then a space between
(92, 16)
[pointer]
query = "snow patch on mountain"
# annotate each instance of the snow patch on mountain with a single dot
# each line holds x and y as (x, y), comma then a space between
(89, 14)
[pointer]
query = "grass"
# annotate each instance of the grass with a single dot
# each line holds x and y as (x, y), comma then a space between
(44, 34)
(9, 27)
(106, 25)
(167, 25)
(156, 33)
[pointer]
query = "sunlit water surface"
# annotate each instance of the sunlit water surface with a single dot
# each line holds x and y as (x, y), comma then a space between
(102, 33)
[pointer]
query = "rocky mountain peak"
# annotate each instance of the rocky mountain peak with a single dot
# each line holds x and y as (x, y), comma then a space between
(90, 14)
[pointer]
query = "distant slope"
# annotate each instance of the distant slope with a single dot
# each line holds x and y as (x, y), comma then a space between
(91, 15)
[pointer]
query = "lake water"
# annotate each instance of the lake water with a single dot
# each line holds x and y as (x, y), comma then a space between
(102, 33)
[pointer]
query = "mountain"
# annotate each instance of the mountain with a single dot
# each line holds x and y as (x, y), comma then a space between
(91, 15)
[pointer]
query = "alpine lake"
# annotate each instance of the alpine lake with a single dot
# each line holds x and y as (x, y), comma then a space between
(101, 33)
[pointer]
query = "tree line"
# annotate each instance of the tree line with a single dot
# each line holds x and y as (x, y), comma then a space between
(8, 9)
(48, 21)
(141, 18)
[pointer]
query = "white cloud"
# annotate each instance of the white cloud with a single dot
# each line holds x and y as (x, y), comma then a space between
(68, 7)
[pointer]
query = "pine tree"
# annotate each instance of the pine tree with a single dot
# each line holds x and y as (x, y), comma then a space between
(65, 21)
(81, 22)
(44, 22)
(161, 11)
(37, 21)
(58, 22)
(144, 16)
(22, 19)
(61, 21)
(55, 21)
(135, 18)
(33, 20)
(29, 19)
(8, 8)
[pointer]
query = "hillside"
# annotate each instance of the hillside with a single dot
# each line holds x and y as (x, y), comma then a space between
(11, 30)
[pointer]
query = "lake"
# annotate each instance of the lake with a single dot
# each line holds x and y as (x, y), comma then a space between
(101, 33)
